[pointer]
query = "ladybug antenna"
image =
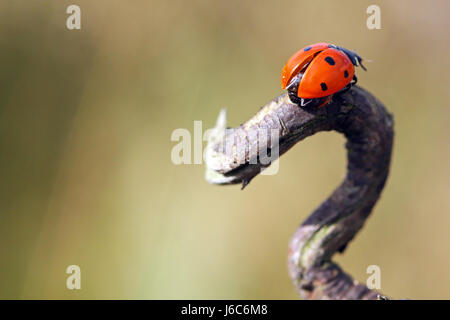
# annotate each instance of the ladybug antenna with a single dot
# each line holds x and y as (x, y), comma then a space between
(360, 63)
(357, 59)
(370, 61)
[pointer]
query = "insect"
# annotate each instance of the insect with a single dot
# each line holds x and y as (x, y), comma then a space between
(315, 73)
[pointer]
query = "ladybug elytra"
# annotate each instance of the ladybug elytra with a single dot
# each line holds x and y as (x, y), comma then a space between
(316, 72)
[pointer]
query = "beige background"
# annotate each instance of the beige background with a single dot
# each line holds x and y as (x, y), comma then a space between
(85, 124)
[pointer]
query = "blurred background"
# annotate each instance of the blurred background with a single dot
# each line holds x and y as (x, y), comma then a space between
(86, 118)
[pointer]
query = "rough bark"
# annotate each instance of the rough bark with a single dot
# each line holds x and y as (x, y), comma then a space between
(368, 127)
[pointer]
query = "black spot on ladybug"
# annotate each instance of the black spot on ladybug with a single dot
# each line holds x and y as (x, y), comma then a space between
(346, 74)
(324, 86)
(330, 60)
(307, 49)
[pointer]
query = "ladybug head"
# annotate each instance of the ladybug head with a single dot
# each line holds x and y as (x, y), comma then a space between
(353, 56)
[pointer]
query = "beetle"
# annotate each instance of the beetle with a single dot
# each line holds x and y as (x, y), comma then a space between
(315, 73)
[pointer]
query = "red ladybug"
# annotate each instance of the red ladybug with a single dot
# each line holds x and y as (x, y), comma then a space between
(316, 72)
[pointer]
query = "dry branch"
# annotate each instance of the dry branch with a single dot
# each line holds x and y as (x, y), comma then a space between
(368, 128)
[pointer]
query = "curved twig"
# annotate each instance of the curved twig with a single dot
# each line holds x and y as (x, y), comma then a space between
(368, 128)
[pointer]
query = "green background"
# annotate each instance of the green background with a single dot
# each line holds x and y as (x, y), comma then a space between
(86, 176)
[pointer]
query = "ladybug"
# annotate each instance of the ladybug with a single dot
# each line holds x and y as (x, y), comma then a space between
(315, 73)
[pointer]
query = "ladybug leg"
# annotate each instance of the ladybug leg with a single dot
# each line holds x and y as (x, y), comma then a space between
(305, 102)
(327, 101)
(347, 87)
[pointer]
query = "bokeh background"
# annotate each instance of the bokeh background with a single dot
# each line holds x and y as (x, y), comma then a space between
(86, 176)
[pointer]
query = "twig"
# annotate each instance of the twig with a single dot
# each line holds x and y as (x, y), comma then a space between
(368, 128)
